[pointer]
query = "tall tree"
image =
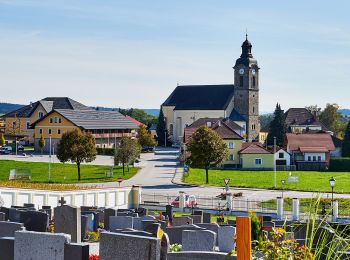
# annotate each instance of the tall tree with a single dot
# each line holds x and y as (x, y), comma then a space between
(2, 140)
(162, 132)
(331, 118)
(77, 147)
(278, 127)
(41, 143)
(346, 142)
(140, 115)
(145, 138)
(206, 149)
(128, 150)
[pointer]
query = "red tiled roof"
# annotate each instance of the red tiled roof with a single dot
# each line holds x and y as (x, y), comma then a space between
(134, 121)
(304, 149)
(253, 148)
(310, 141)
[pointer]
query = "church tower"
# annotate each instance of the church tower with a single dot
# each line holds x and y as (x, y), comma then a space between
(246, 93)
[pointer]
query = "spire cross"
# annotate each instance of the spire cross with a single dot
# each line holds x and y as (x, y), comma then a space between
(246, 33)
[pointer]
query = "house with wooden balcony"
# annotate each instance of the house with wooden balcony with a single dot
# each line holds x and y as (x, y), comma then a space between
(106, 126)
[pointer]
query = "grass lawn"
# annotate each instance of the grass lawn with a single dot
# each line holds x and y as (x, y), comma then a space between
(308, 180)
(64, 173)
(306, 204)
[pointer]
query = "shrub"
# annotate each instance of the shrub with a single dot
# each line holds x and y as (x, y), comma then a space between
(256, 232)
(175, 248)
(339, 164)
(105, 151)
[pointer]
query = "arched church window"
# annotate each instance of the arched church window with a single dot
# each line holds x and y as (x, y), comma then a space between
(253, 81)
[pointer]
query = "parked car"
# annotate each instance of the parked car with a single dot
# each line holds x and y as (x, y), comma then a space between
(146, 149)
(190, 200)
(6, 150)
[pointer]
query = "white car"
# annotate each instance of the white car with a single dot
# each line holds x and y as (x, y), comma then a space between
(6, 150)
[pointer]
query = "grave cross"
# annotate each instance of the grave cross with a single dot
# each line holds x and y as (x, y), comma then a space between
(62, 201)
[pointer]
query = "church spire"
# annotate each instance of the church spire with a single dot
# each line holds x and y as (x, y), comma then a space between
(246, 48)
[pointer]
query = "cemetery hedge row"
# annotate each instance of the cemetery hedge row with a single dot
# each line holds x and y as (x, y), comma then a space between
(105, 151)
(339, 164)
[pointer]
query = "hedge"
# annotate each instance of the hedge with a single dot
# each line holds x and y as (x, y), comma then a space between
(105, 151)
(340, 164)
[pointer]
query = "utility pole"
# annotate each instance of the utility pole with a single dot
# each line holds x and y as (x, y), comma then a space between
(274, 160)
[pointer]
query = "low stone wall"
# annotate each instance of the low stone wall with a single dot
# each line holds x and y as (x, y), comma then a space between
(199, 256)
(109, 198)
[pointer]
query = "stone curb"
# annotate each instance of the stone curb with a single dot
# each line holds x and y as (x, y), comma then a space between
(177, 178)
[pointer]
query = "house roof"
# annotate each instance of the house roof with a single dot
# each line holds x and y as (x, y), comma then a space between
(235, 116)
(253, 148)
(93, 119)
(225, 128)
(301, 116)
(48, 104)
(305, 149)
(310, 141)
(138, 123)
(200, 97)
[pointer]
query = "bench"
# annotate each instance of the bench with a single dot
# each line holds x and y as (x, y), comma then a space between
(20, 174)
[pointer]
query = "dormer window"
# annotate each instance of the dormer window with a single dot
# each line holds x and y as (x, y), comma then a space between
(40, 114)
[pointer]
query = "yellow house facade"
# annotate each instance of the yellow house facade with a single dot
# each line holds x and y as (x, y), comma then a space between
(254, 156)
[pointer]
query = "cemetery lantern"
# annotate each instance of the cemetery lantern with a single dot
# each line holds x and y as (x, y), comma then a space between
(332, 184)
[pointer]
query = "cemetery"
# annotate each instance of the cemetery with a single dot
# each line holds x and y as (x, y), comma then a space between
(116, 224)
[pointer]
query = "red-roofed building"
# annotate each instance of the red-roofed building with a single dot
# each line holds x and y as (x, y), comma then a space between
(138, 123)
(310, 151)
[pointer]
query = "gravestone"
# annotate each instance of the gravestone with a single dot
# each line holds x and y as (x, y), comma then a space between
(266, 218)
(8, 229)
(163, 224)
(206, 217)
(68, 221)
(120, 222)
(15, 215)
(38, 245)
(6, 211)
(141, 211)
(108, 213)
(198, 212)
(84, 225)
(121, 246)
(180, 221)
(231, 222)
(135, 233)
(76, 251)
(175, 233)
(198, 240)
(146, 223)
(212, 227)
(90, 221)
(48, 210)
(226, 236)
(35, 220)
(7, 248)
(153, 229)
(29, 205)
(137, 223)
(2, 216)
(196, 219)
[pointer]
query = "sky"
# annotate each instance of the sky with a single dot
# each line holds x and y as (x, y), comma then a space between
(134, 53)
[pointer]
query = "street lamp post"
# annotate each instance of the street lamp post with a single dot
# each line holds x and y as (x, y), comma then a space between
(50, 159)
(274, 160)
(283, 182)
(332, 184)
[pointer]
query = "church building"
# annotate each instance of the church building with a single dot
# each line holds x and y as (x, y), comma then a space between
(238, 102)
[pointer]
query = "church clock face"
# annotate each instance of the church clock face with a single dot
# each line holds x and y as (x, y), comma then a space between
(241, 71)
(253, 71)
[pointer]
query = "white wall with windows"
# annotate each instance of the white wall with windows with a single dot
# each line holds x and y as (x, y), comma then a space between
(314, 157)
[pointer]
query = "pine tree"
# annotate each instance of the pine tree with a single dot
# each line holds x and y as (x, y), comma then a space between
(346, 142)
(161, 129)
(278, 127)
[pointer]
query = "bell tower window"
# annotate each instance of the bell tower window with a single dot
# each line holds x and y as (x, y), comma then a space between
(241, 81)
(253, 81)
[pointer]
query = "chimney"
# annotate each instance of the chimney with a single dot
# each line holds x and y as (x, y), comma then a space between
(219, 123)
(209, 124)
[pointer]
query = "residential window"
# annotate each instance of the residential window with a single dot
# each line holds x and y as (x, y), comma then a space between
(319, 158)
(59, 120)
(241, 81)
(14, 125)
(281, 155)
(59, 131)
(231, 145)
(49, 131)
(40, 131)
(40, 114)
(309, 158)
(258, 161)
(314, 158)
(56, 120)
(232, 157)
(28, 125)
(51, 120)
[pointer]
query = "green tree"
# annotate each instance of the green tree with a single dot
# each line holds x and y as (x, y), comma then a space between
(206, 149)
(331, 118)
(127, 152)
(77, 147)
(277, 128)
(41, 143)
(2, 140)
(140, 115)
(346, 142)
(145, 138)
(162, 132)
